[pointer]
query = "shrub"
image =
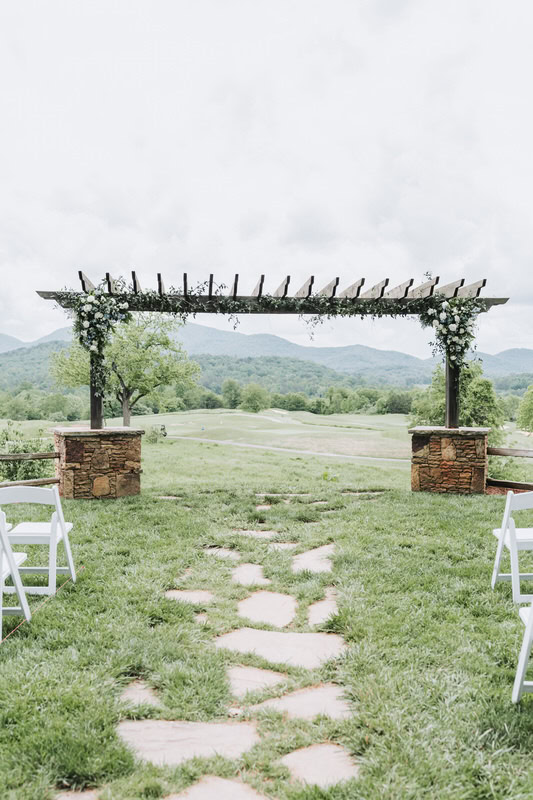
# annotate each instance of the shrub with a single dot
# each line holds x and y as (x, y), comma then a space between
(12, 440)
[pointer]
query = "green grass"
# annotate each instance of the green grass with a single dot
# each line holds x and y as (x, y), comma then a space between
(432, 650)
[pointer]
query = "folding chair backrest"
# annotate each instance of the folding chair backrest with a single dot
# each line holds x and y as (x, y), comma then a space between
(28, 494)
(522, 501)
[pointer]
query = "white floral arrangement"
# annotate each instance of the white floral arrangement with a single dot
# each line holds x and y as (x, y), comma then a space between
(95, 315)
(454, 326)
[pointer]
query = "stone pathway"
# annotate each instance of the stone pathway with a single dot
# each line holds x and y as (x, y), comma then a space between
(211, 788)
(171, 743)
(249, 575)
(317, 560)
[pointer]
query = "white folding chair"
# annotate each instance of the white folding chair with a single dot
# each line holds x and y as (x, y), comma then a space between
(43, 533)
(514, 539)
(520, 684)
(9, 568)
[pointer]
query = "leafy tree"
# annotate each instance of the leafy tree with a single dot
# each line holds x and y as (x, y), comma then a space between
(478, 404)
(254, 398)
(524, 419)
(231, 392)
(142, 355)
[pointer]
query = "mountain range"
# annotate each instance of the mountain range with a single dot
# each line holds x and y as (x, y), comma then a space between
(368, 363)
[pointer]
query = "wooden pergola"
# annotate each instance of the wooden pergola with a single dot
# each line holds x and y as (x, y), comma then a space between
(361, 300)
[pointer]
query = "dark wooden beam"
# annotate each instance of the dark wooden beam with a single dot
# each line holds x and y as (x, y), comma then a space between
(210, 290)
(452, 394)
(111, 284)
(258, 291)
(329, 289)
(185, 290)
(235, 285)
(283, 288)
(86, 284)
(160, 285)
(136, 285)
(97, 404)
(306, 289)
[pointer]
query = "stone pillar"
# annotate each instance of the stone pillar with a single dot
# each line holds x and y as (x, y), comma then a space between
(449, 459)
(94, 464)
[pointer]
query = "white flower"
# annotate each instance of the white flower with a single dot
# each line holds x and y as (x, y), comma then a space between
(445, 304)
(90, 299)
(456, 339)
(453, 358)
(457, 318)
(98, 315)
(435, 323)
(431, 311)
(86, 307)
(461, 330)
(124, 305)
(94, 348)
(453, 326)
(85, 324)
(442, 315)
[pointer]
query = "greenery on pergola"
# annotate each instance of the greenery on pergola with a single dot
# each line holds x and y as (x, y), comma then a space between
(450, 310)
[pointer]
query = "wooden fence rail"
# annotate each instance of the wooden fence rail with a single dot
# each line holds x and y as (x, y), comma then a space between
(28, 457)
(509, 451)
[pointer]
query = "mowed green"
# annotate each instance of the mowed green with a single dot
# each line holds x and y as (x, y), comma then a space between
(432, 650)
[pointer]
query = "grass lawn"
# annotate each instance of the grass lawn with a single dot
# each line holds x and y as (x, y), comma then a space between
(432, 650)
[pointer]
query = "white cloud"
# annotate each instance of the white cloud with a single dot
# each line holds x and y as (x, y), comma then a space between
(377, 139)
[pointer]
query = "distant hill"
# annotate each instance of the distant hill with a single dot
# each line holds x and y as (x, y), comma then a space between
(365, 364)
(28, 365)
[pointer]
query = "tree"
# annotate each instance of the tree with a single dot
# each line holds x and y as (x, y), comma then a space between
(478, 404)
(231, 392)
(142, 356)
(525, 411)
(254, 398)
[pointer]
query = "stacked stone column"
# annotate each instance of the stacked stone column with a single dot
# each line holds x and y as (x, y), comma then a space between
(102, 463)
(450, 460)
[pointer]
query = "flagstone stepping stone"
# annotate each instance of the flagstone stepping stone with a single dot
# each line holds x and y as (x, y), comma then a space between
(282, 494)
(250, 679)
(139, 692)
(270, 607)
(168, 743)
(316, 560)
(249, 575)
(322, 610)
(201, 619)
(86, 794)
(308, 650)
(323, 765)
(223, 552)
(257, 534)
(219, 788)
(319, 503)
(282, 545)
(309, 703)
(194, 596)
(263, 507)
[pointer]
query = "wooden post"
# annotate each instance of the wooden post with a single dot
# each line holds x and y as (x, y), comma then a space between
(452, 394)
(97, 405)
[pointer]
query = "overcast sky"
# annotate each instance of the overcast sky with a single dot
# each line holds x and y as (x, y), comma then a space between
(358, 138)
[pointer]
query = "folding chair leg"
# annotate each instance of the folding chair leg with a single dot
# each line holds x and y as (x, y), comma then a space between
(497, 560)
(70, 560)
(52, 566)
(515, 578)
(523, 659)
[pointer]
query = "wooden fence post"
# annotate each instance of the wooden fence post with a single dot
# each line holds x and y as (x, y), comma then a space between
(452, 394)
(97, 405)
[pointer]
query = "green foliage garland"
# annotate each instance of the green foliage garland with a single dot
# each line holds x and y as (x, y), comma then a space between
(453, 322)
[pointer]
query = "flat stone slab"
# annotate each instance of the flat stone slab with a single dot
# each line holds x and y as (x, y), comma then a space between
(319, 503)
(168, 743)
(322, 610)
(321, 765)
(282, 494)
(195, 596)
(249, 575)
(139, 692)
(263, 507)
(86, 794)
(270, 607)
(201, 618)
(326, 699)
(257, 534)
(223, 552)
(282, 545)
(211, 787)
(250, 679)
(308, 650)
(317, 560)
